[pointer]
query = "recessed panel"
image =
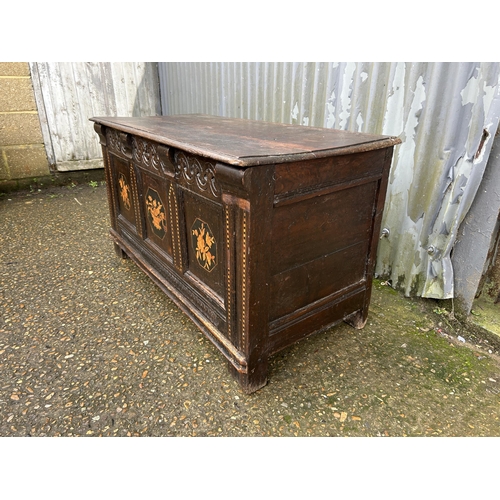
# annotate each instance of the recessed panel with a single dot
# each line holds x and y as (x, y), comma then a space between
(156, 211)
(204, 221)
(124, 186)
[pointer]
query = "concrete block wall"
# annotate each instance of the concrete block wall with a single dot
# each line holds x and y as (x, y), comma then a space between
(22, 152)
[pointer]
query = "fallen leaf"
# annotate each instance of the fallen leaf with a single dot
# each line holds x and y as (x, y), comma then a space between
(356, 418)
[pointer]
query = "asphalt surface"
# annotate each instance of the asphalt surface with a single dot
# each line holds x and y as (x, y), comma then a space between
(89, 346)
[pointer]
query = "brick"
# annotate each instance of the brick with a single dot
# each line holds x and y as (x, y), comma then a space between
(16, 94)
(14, 69)
(28, 161)
(20, 129)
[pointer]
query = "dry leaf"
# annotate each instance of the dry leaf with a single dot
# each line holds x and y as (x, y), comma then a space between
(356, 418)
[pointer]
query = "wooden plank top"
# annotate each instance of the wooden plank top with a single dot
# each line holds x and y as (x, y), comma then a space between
(245, 143)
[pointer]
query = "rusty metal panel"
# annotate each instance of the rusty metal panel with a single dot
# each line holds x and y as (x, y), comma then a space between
(68, 94)
(445, 113)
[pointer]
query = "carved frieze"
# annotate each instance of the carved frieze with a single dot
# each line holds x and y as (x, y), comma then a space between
(118, 142)
(146, 153)
(197, 173)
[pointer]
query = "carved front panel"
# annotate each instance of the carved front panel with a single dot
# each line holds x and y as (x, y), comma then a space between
(205, 241)
(156, 212)
(124, 186)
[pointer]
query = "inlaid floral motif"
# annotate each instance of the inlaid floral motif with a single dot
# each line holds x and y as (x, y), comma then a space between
(124, 191)
(156, 213)
(204, 244)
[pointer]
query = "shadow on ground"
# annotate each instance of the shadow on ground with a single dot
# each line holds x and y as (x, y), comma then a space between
(89, 346)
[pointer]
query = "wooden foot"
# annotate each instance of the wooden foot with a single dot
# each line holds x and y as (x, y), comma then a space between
(254, 380)
(119, 251)
(357, 320)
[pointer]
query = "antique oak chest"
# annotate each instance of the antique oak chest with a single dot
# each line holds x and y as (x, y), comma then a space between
(262, 233)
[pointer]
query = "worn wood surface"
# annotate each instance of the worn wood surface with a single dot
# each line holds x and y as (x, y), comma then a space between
(259, 253)
(247, 142)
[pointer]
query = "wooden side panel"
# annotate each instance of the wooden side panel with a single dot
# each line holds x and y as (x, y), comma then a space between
(301, 177)
(295, 288)
(319, 226)
(307, 324)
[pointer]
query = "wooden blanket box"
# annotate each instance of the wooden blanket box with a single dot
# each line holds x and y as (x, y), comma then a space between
(262, 233)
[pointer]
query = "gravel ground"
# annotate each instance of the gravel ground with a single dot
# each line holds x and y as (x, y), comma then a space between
(89, 346)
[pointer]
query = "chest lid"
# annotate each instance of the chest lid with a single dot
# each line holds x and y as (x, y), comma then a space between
(246, 143)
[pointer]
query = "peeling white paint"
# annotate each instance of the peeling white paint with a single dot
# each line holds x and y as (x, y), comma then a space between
(470, 93)
(295, 111)
(305, 120)
(330, 120)
(393, 118)
(345, 96)
(364, 76)
(359, 122)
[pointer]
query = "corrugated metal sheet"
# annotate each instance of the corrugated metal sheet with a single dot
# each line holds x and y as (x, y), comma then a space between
(445, 113)
(68, 94)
